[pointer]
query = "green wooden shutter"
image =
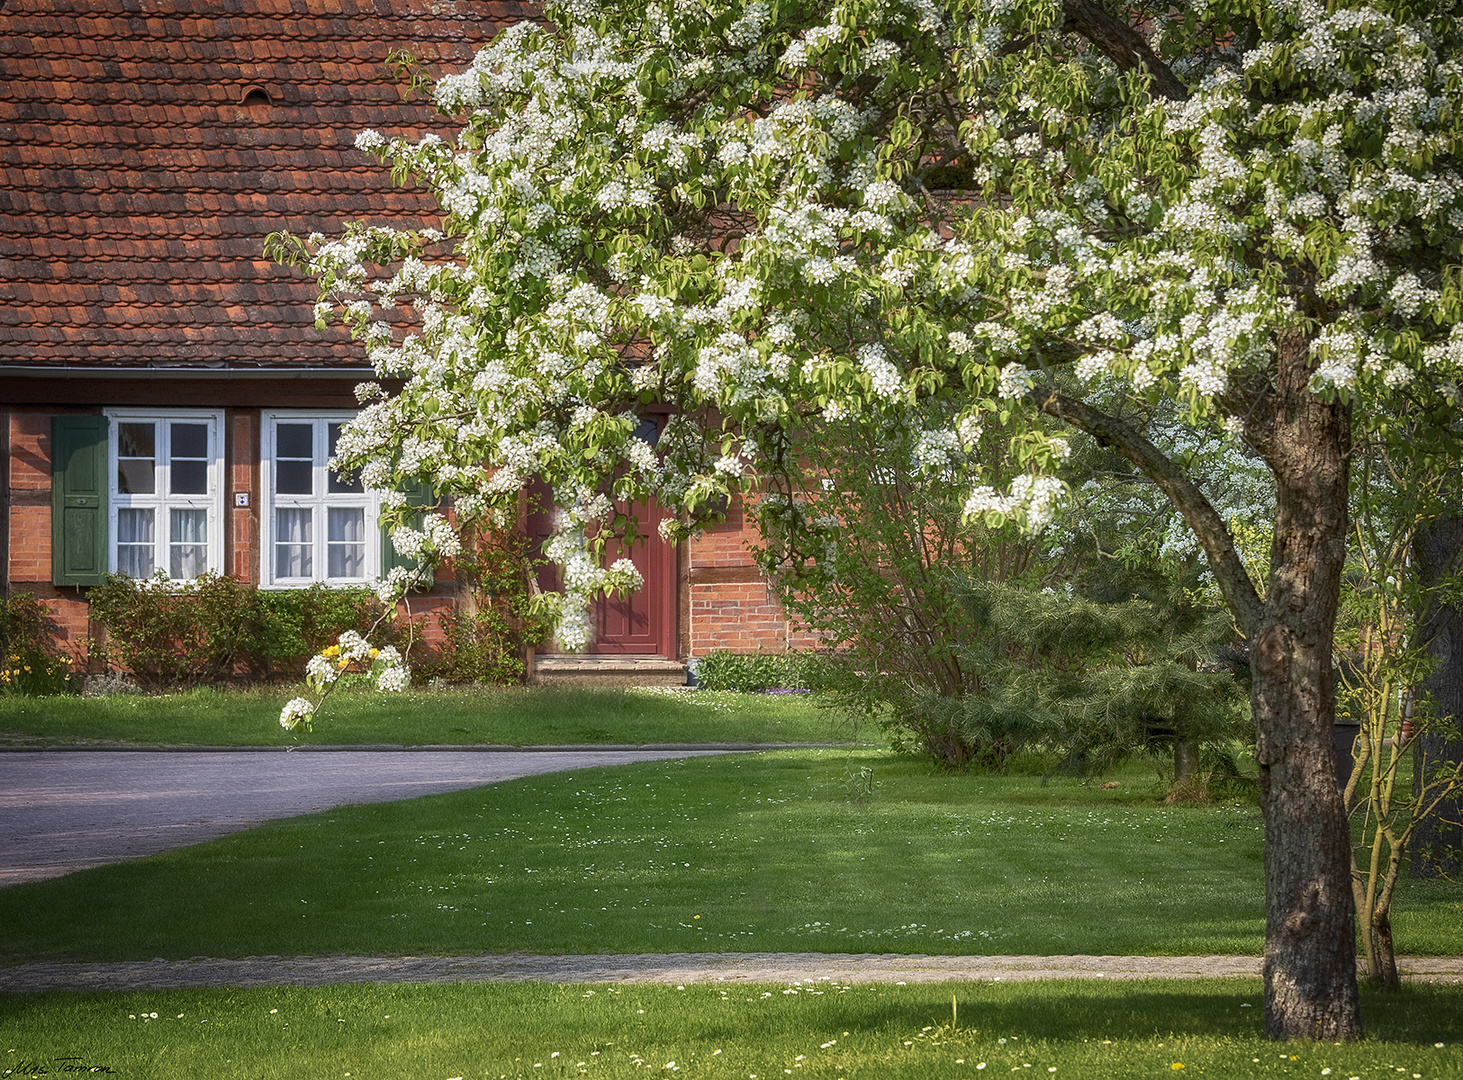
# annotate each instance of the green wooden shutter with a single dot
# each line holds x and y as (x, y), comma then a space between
(420, 497)
(78, 500)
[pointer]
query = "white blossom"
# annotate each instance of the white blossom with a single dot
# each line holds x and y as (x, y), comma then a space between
(296, 712)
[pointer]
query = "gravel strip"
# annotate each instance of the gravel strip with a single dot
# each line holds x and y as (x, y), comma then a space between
(672, 968)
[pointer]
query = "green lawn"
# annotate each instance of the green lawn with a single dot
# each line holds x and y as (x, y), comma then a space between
(733, 1032)
(511, 716)
(785, 851)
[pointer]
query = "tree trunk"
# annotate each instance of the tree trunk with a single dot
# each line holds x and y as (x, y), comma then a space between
(1310, 916)
(1437, 842)
(1185, 766)
(1381, 960)
(1310, 924)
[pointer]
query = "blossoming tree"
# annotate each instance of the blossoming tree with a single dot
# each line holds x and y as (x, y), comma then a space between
(765, 213)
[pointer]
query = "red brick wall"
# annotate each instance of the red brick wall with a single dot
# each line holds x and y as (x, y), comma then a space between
(28, 474)
(30, 496)
(241, 538)
(728, 603)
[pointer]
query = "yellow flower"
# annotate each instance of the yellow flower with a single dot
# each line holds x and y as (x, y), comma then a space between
(1176, 1066)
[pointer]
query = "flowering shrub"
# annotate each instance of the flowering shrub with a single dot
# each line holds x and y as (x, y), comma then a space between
(30, 662)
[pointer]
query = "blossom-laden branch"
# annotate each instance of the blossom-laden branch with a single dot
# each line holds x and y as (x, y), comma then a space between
(1224, 558)
(385, 667)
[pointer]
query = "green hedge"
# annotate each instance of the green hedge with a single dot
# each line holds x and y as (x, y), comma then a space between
(751, 673)
(213, 627)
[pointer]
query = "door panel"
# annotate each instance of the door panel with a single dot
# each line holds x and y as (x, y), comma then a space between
(645, 621)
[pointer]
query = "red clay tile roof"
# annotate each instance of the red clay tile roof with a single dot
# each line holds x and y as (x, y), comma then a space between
(138, 183)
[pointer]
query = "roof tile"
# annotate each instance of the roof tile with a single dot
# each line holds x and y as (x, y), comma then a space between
(138, 189)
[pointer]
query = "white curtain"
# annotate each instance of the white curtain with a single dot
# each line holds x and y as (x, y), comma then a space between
(187, 543)
(293, 544)
(136, 545)
(347, 542)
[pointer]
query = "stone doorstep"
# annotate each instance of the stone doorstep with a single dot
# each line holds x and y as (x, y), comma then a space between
(629, 664)
(572, 669)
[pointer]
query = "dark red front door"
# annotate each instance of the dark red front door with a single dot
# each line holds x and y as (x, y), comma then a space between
(644, 621)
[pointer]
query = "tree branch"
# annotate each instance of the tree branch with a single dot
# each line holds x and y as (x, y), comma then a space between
(1229, 570)
(1121, 44)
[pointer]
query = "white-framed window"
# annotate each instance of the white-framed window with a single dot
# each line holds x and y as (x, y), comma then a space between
(317, 526)
(166, 497)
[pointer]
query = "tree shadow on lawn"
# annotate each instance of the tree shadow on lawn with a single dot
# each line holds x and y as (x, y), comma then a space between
(1074, 1011)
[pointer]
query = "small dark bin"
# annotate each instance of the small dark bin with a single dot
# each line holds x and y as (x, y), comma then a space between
(1344, 734)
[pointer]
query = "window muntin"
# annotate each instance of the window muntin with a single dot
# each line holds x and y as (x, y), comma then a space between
(166, 483)
(317, 524)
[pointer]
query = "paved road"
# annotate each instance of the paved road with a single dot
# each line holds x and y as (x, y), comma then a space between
(62, 811)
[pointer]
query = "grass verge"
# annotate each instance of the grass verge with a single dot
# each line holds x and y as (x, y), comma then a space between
(836, 851)
(737, 1032)
(509, 716)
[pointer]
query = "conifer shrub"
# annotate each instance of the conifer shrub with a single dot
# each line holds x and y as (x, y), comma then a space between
(873, 561)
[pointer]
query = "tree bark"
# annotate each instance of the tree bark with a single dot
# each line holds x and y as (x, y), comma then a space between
(1310, 913)
(1381, 960)
(1437, 842)
(1123, 45)
(1185, 764)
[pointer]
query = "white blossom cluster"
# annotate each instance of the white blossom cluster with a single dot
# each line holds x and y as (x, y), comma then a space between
(1032, 501)
(435, 540)
(884, 380)
(296, 713)
(939, 451)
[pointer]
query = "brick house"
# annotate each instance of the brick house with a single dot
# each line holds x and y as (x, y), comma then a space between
(165, 399)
